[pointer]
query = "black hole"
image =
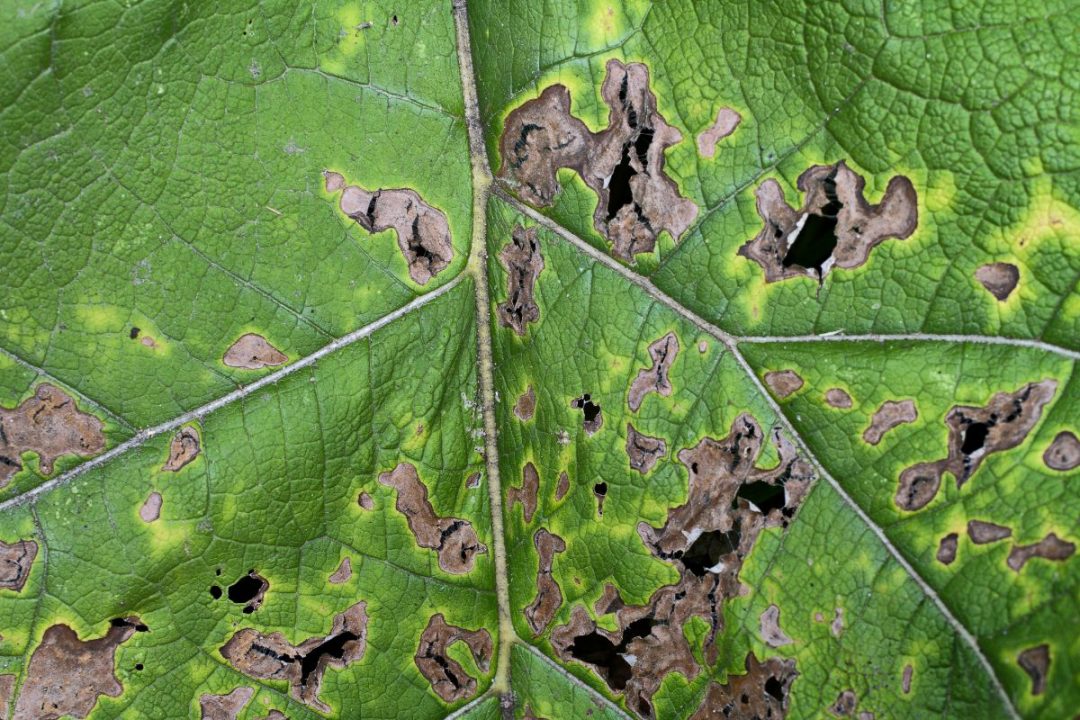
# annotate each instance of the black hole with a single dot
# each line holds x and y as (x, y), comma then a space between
(138, 666)
(587, 407)
(600, 488)
(814, 244)
(707, 550)
(774, 687)
(124, 622)
(134, 333)
(245, 589)
(597, 650)
(334, 648)
(215, 592)
(974, 438)
(765, 496)
(619, 193)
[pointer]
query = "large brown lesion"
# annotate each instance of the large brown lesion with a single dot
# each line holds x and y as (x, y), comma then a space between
(835, 228)
(623, 163)
(974, 434)
(761, 692)
(50, 424)
(729, 502)
(643, 450)
(183, 449)
(526, 493)
(447, 677)
(16, 560)
(523, 262)
(548, 593)
(225, 706)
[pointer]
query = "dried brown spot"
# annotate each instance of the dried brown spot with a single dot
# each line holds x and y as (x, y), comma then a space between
(999, 279)
(729, 502)
(7, 689)
(151, 508)
(50, 424)
(905, 681)
(726, 122)
(836, 227)
(66, 675)
(845, 704)
(16, 559)
(365, 501)
(610, 601)
(1063, 453)
(448, 679)
(643, 450)
(525, 405)
(946, 551)
(253, 352)
(272, 657)
(343, 572)
(836, 627)
(783, 382)
(1050, 547)
(770, 628)
(1035, 661)
(225, 707)
(423, 234)
(523, 262)
(889, 415)
(656, 378)
(592, 417)
(548, 593)
(334, 181)
(838, 398)
(526, 493)
(452, 538)
(982, 532)
(975, 433)
(183, 449)
(473, 481)
(761, 693)
(563, 487)
(623, 164)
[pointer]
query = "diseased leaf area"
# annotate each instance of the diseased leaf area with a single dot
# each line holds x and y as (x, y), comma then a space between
(601, 359)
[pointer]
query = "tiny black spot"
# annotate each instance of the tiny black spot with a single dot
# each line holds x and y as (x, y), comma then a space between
(138, 666)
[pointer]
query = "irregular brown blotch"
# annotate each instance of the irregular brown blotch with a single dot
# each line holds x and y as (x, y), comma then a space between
(68, 675)
(563, 486)
(7, 690)
(761, 693)
(982, 532)
(334, 181)
(905, 680)
(888, 416)
(548, 593)
(272, 657)
(999, 279)
(729, 503)
(845, 704)
(526, 493)
(770, 628)
(523, 262)
(50, 424)
(836, 227)
(343, 572)
(448, 679)
(183, 449)
(253, 352)
(224, 707)
(592, 417)
(473, 481)
(16, 559)
(365, 501)
(946, 551)
(1035, 661)
(623, 164)
(838, 398)
(1050, 547)
(656, 378)
(836, 627)
(151, 508)
(452, 538)
(726, 122)
(975, 433)
(610, 601)
(1064, 452)
(423, 234)
(783, 382)
(643, 450)
(525, 405)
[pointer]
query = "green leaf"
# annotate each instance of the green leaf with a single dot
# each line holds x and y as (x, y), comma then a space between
(539, 360)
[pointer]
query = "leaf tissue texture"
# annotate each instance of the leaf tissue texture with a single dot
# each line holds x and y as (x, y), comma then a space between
(489, 359)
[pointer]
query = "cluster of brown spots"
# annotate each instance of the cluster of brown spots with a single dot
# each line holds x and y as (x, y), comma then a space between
(453, 539)
(523, 262)
(623, 164)
(66, 675)
(525, 405)
(762, 692)
(975, 433)
(845, 704)
(836, 227)
(151, 508)
(770, 628)
(783, 382)
(1035, 661)
(1063, 454)
(525, 494)
(838, 398)
(563, 486)
(183, 449)
(423, 233)
(946, 552)
(726, 122)
(891, 414)
(16, 559)
(999, 279)
(343, 572)
(272, 657)
(448, 679)
(982, 532)
(49, 423)
(656, 378)
(643, 450)
(253, 352)
(548, 593)
(1050, 547)
(225, 707)
(729, 503)
(592, 417)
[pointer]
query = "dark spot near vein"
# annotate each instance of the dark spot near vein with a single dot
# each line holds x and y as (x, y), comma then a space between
(770, 628)
(762, 692)
(343, 572)
(183, 449)
(656, 378)
(253, 352)
(726, 122)
(1035, 661)
(905, 680)
(891, 414)
(548, 593)
(523, 262)
(1064, 452)
(249, 590)
(783, 383)
(999, 279)
(16, 560)
(563, 486)
(592, 415)
(151, 508)
(447, 677)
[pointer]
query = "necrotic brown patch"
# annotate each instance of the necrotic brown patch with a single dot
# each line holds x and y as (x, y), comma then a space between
(1064, 452)
(526, 493)
(1035, 661)
(525, 405)
(563, 486)
(845, 704)
(1050, 547)
(592, 417)
(656, 378)
(343, 572)
(982, 532)
(253, 352)
(447, 677)
(548, 593)
(183, 449)
(999, 279)
(726, 122)
(16, 559)
(770, 628)
(762, 692)
(783, 382)
(151, 508)
(643, 450)
(523, 262)
(888, 416)
(224, 707)
(838, 398)
(946, 552)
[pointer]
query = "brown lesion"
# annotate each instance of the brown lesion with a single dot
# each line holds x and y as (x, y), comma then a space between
(226, 706)
(1035, 661)
(183, 449)
(1050, 547)
(623, 163)
(563, 486)
(727, 120)
(982, 532)
(525, 405)
(423, 233)
(49, 423)
(272, 657)
(526, 493)
(643, 450)
(658, 377)
(761, 692)
(1063, 453)
(523, 263)
(453, 539)
(447, 677)
(946, 552)
(151, 508)
(16, 561)
(891, 414)
(343, 573)
(548, 593)
(592, 415)
(783, 382)
(771, 631)
(999, 279)
(838, 398)
(845, 704)
(835, 228)
(253, 352)
(974, 434)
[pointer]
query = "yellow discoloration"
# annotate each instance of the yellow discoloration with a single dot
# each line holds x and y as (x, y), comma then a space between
(939, 191)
